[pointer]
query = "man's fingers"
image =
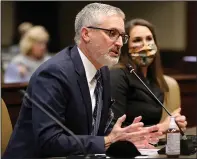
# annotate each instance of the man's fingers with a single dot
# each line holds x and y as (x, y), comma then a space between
(153, 140)
(137, 134)
(137, 139)
(156, 134)
(152, 128)
(121, 120)
(137, 119)
(153, 131)
(133, 127)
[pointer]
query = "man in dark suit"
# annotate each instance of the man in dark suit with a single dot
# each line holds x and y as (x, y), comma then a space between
(74, 87)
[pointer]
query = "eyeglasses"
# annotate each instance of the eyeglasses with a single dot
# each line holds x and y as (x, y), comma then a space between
(113, 34)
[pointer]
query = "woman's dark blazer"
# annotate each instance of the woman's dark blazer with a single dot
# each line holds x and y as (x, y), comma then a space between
(132, 98)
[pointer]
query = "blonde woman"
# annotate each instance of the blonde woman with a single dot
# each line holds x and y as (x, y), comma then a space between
(22, 29)
(33, 48)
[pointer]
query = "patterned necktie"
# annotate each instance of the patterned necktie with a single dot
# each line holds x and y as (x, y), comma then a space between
(99, 104)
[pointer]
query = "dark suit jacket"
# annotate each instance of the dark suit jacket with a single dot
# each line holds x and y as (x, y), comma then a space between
(61, 84)
(133, 99)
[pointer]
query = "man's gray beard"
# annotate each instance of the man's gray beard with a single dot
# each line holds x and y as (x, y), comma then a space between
(106, 60)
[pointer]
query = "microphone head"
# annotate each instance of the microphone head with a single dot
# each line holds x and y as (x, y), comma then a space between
(129, 66)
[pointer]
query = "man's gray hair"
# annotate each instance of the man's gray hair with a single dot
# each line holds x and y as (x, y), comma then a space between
(91, 15)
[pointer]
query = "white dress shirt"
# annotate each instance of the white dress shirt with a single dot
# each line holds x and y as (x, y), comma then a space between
(90, 71)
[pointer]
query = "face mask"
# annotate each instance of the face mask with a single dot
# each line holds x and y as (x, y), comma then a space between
(143, 56)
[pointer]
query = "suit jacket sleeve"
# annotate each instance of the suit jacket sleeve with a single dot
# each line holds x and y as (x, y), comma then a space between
(48, 89)
(119, 90)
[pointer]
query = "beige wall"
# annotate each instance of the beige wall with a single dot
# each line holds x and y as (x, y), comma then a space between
(168, 17)
(7, 22)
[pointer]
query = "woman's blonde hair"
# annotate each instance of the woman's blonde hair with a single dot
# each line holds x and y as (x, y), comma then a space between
(34, 34)
(24, 27)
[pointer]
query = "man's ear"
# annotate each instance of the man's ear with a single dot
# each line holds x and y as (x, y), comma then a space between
(85, 35)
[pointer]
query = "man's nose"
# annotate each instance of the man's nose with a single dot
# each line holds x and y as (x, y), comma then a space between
(119, 41)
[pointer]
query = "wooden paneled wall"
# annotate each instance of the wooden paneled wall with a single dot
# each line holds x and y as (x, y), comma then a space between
(188, 88)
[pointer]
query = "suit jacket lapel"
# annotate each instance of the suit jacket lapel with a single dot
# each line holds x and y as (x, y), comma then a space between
(83, 84)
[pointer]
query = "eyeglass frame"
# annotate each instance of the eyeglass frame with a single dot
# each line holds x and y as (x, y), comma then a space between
(123, 35)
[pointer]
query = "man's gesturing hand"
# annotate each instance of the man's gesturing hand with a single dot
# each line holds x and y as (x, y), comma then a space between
(134, 133)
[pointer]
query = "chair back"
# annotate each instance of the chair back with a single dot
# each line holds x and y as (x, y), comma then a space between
(6, 126)
(173, 97)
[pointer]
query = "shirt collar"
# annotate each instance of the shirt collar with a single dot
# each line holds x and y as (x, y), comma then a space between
(90, 69)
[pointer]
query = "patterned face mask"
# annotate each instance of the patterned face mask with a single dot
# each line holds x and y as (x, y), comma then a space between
(143, 55)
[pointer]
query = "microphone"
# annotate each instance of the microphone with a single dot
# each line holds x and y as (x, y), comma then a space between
(57, 121)
(187, 146)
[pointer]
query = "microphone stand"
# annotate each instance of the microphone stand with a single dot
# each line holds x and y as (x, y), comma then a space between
(57, 121)
(187, 146)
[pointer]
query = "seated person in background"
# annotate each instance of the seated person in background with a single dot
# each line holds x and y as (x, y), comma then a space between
(130, 95)
(33, 47)
(74, 87)
(22, 29)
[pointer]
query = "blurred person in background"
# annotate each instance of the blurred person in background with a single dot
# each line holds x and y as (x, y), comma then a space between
(22, 29)
(9, 52)
(33, 48)
(130, 95)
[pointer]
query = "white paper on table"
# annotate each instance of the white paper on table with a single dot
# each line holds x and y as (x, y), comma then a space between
(148, 152)
(102, 155)
(141, 157)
